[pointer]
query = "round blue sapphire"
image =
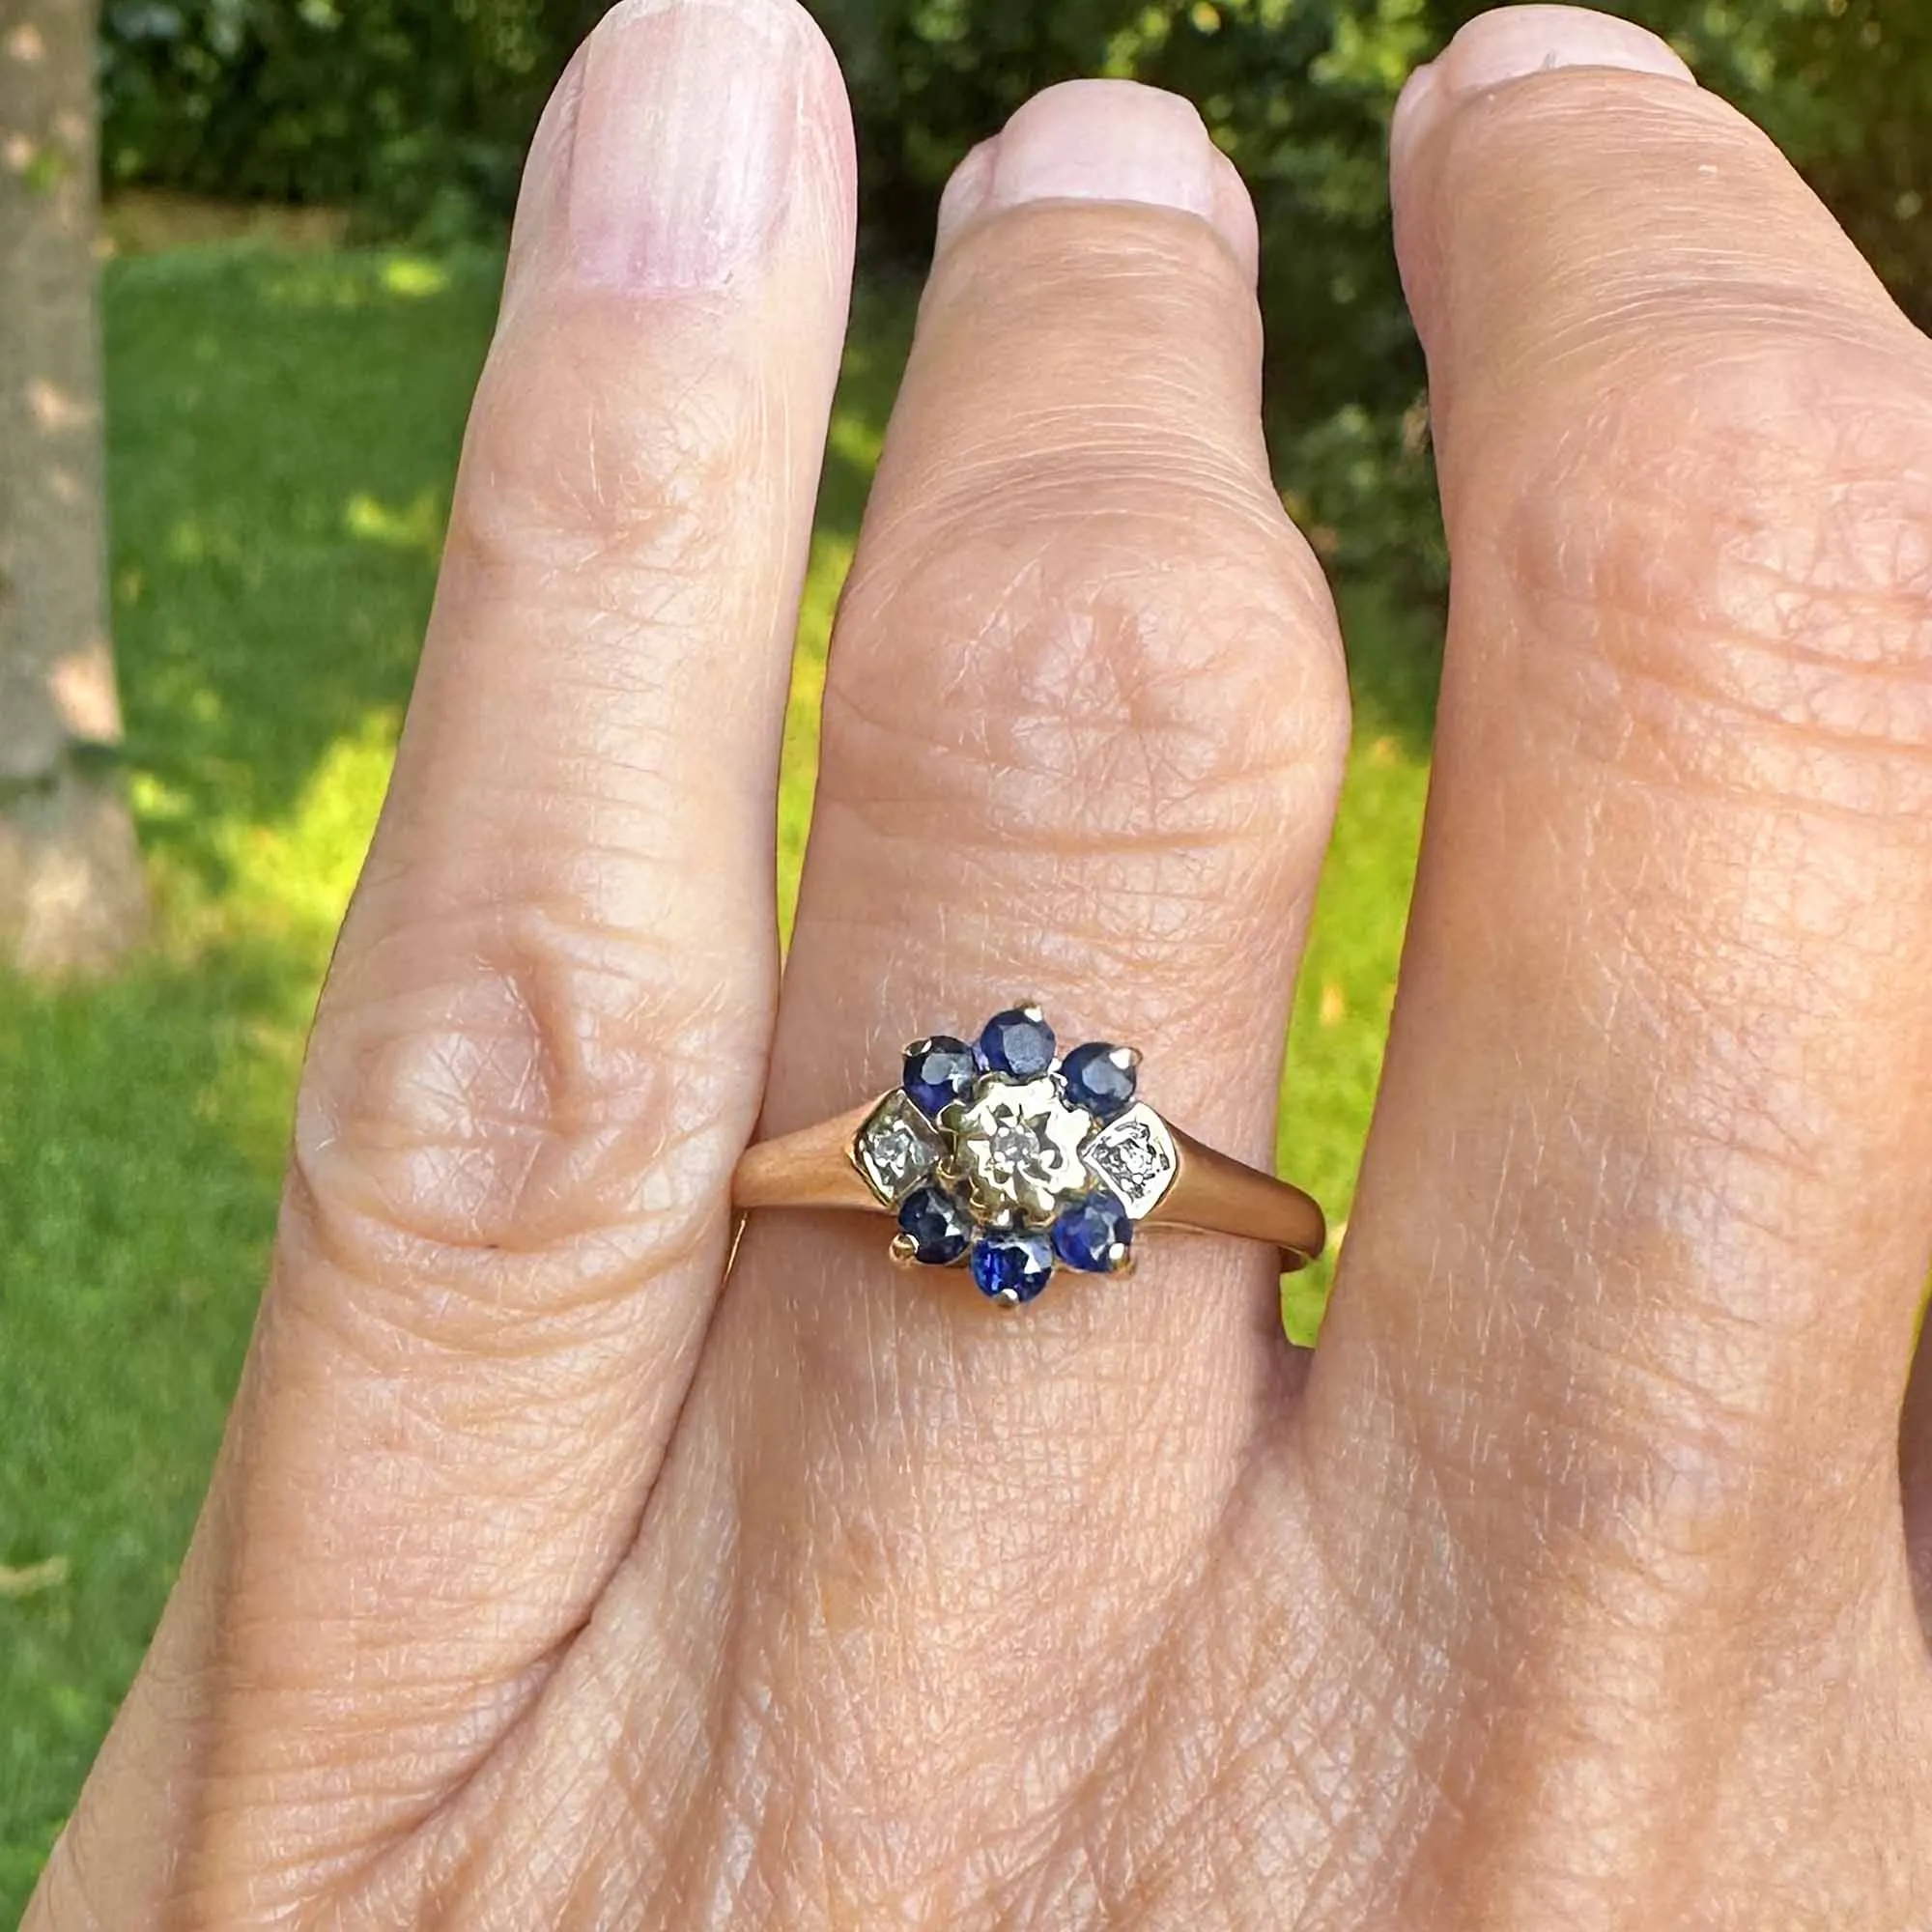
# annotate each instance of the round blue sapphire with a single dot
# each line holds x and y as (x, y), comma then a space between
(1099, 1078)
(1012, 1267)
(1093, 1234)
(937, 1072)
(938, 1225)
(1016, 1042)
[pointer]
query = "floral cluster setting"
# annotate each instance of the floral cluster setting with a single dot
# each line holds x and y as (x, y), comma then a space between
(1003, 1156)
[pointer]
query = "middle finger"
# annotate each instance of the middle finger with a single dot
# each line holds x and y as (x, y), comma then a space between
(1085, 719)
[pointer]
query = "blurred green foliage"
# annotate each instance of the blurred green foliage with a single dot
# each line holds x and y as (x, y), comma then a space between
(415, 113)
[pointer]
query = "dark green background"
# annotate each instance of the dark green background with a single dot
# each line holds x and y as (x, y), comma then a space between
(414, 113)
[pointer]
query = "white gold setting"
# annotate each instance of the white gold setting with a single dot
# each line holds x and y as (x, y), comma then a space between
(1016, 1153)
(897, 1149)
(1135, 1157)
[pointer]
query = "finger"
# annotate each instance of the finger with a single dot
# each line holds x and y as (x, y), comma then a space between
(1914, 1464)
(1634, 1270)
(544, 1038)
(1084, 720)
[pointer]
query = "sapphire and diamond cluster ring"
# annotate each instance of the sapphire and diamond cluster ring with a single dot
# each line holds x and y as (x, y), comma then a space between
(1002, 1156)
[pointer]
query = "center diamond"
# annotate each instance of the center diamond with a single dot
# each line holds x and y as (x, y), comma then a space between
(1016, 1149)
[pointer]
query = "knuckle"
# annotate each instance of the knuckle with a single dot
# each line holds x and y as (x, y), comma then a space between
(584, 467)
(1133, 698)
(1099, 274)
(1128, 636)
(1594, 204)
(1738, 541)
(509, 1117)
(1120, 631)
(1127, 689)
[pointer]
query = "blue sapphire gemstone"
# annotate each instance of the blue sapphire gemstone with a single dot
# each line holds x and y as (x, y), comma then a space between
(937, 1223)
(1012, 1267)
(1097, 1081)
(937, 1072)
(1016, 1042)
(1093, 1234)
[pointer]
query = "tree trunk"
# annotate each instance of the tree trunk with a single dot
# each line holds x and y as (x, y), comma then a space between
(71, 896)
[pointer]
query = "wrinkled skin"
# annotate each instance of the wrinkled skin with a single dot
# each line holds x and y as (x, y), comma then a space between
(550, 1579)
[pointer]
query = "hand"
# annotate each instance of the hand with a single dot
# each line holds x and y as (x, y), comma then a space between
(550, 1579)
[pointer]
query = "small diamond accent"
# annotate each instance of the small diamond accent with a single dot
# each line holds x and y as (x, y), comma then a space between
(1017, 1152)
(897, 1149)
(1135, 1157)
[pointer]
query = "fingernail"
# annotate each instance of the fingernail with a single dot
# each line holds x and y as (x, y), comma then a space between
(685, 133)
(1514, 42)
(1091, 140)
(966, 190)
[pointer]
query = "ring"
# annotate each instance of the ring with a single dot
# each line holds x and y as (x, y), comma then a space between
(1007, 1159)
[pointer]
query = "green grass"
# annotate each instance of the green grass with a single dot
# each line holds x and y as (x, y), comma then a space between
(284, 430)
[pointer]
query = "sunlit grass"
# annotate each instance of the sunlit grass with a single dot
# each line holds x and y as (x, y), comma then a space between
(284, 433)
(881, 334)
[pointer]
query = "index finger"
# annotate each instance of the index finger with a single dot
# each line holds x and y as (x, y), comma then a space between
(544, 1038)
